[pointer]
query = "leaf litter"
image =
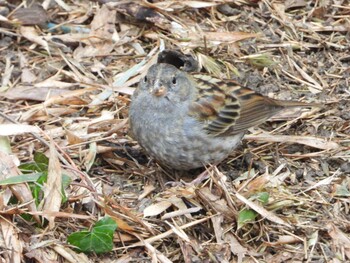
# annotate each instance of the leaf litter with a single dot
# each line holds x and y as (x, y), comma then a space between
(67, 72)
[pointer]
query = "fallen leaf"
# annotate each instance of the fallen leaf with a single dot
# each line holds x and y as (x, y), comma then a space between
(315, 142)
(228, 36)
(286, 239)
(52, 189)
(341, 240)
(16, 129)
(35, 15)
(31, 34)
(11, 246)
(20, 92)
(6, 76)
(100, 36)
(156, 209)
(70, 255)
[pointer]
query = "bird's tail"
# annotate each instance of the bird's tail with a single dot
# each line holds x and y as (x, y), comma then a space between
(291, 104)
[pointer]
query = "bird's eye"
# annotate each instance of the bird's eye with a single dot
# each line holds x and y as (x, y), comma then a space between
(174, 80)
(145, 79)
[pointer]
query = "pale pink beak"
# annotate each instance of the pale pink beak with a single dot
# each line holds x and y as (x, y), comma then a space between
(159, 91)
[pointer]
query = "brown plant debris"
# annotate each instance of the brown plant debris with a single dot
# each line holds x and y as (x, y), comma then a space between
(68, 69)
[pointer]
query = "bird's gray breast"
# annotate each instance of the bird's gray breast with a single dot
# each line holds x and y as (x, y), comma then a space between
(176, 139)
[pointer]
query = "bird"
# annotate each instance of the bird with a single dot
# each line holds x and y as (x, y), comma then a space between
(187, 120)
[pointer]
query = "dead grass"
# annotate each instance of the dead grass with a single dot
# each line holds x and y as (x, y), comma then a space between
(67, 94)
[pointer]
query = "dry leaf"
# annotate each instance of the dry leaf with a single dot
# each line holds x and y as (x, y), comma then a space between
(6, 76)
(156, 209)
(101, 35)
(32, 93)
(16, 129)
(147, 189)
(340, 239)
(41, 255)
(35, 15)
(315, 142)
(140, 14)
(72, 138)
(31, 34)
(236, 247)
(53, 187)
(70, 255)
(11, 246)
(228, 36)
(258, 183)
(20, 191)
(215, 202)
(287, 239)
(89, 159)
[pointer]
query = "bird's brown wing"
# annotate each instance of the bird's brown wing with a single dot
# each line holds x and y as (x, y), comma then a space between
(228, 108)
(255, 109)
(217, 109)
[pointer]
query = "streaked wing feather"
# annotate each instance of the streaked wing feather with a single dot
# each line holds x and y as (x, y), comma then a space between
(220, 110)
(228, 108)
(255, 109)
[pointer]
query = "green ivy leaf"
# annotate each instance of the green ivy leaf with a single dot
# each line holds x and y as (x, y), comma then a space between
(98, 240)
(106, 224)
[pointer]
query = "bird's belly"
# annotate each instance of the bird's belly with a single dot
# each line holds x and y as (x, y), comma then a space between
(185, 149)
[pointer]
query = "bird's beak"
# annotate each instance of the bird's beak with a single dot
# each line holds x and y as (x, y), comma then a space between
(158, 91)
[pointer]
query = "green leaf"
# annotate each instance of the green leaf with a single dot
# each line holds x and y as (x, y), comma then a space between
(40, 164)
(41, 158)
(24, 178)
(246, 216)
(106, 224)
(98, 240)
(66, 180)
(33, 167)
(35, 174)
(37, 186)
(263, 197)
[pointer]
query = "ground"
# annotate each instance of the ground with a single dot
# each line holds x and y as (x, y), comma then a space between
(68, 70)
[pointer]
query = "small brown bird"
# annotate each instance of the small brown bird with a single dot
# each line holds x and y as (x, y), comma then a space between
(186, 121)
